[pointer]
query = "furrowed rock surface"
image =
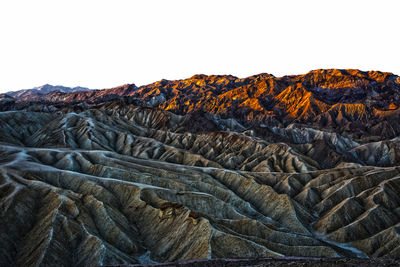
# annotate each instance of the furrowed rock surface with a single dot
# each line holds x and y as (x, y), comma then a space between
(208, 167)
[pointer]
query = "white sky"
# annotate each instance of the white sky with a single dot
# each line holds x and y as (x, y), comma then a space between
(101, 44)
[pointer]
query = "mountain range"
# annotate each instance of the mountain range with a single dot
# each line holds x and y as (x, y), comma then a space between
(42, 90)
(212, 166)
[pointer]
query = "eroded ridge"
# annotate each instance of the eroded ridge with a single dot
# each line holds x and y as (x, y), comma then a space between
(120, 184)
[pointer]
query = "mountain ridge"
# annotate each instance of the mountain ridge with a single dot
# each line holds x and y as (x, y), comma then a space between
(44, 89)
(334, 99)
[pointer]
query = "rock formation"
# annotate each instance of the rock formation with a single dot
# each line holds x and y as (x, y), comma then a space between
(207, 167)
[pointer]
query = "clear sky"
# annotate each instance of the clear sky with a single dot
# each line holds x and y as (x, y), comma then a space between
(101, 44)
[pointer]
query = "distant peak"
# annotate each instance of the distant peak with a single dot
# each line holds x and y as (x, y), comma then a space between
(45, 89)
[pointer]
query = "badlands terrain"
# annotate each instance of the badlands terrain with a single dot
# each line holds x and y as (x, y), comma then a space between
(206, 167)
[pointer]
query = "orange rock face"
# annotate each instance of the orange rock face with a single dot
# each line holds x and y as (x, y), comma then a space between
(334, 99)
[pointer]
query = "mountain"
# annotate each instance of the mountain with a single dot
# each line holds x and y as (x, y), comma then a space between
(28, 94)
(206, 167)
(332, 99)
